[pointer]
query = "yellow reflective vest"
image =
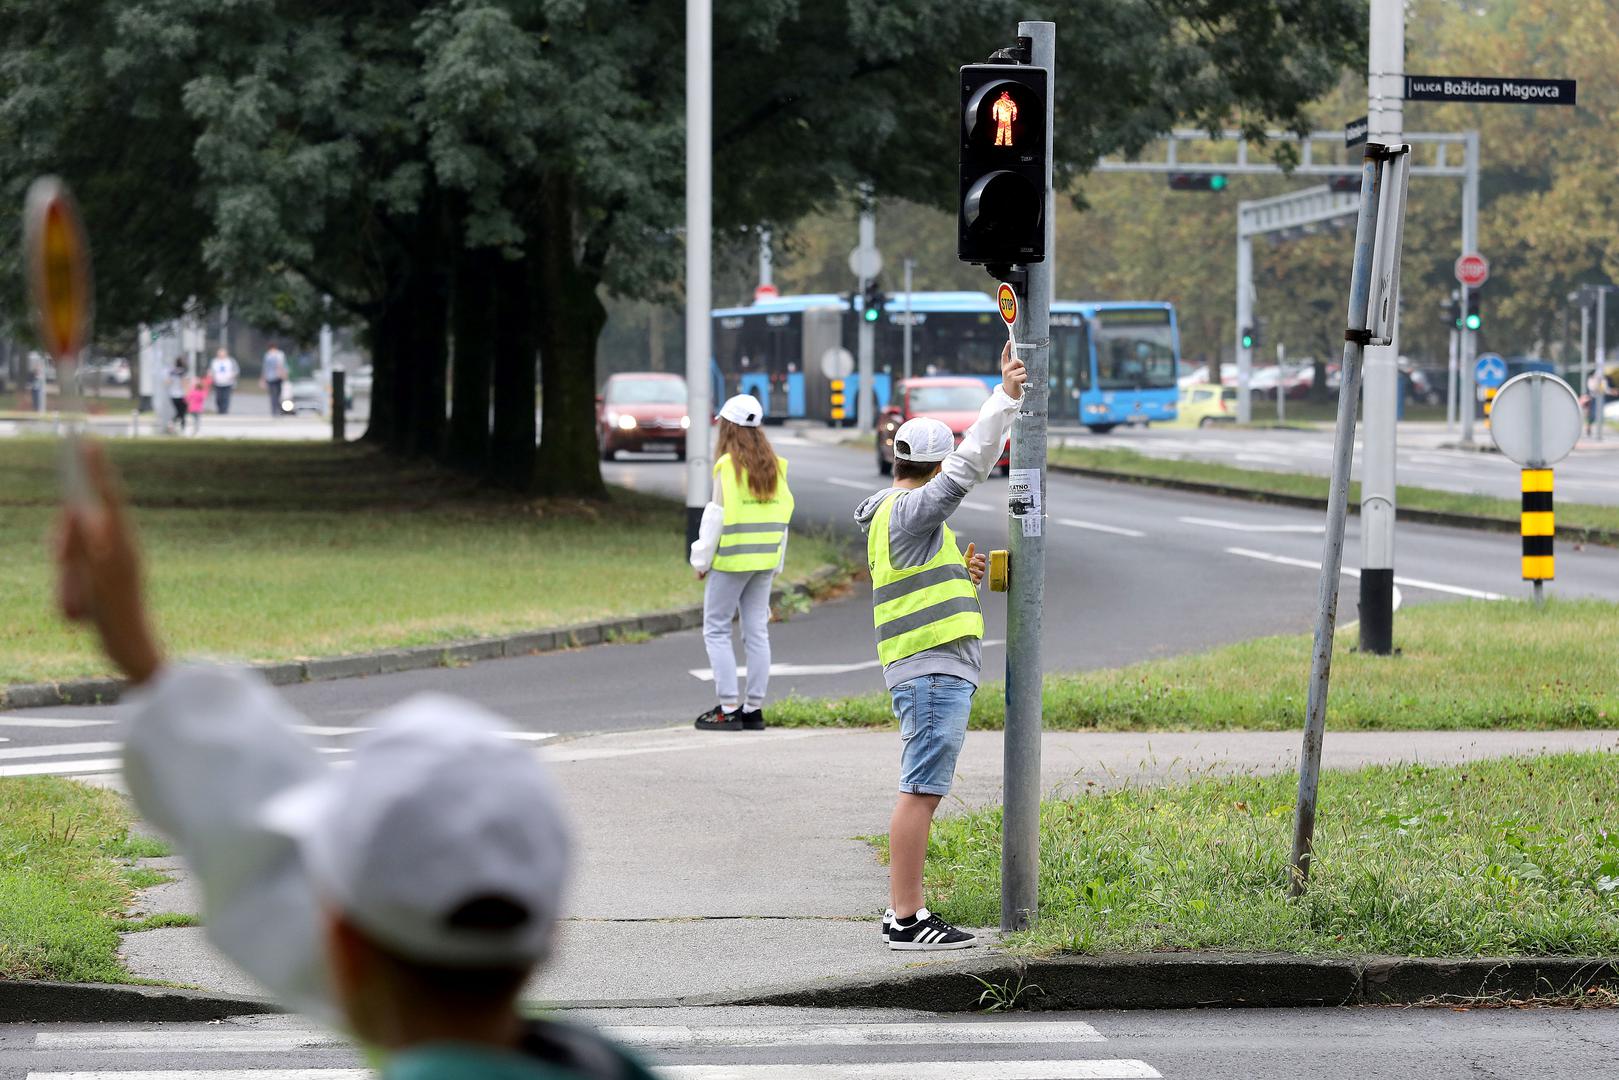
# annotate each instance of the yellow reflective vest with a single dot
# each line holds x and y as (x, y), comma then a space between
(919, 607)
(754, 527)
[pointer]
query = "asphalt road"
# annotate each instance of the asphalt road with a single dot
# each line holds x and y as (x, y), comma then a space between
(778, 1044)
(1133, 573)
(1426, 457)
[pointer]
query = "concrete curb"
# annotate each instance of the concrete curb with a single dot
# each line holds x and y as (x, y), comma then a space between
(104, 691)
(1196, 980)
(1570, 533)
(1134, 981)
(89, 1003)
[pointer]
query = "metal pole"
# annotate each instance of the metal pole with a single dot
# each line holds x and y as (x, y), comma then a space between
(699, 239)
(1468, 394)
(909, 265)
(1281, 383)
(340, 406)
(767, 260)
(1332, 557)
(1385, 99)
(1585, 351)
(1020, 832)
(1600, 361)
(1451, 388)
(866, 402)
(1245, 318)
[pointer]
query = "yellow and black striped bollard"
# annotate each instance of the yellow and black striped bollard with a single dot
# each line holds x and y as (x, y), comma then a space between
(1538, 528)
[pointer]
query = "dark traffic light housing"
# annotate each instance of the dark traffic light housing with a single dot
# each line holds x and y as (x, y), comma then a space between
(1002, 217)
(1198, 181)
(1475, 317)
(1250, 337)
(875, 301)
(1344, 184)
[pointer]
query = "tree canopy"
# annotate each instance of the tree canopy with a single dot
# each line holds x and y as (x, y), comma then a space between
(469, 178)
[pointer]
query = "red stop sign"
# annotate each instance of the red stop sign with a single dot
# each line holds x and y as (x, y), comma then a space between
(1472, 269)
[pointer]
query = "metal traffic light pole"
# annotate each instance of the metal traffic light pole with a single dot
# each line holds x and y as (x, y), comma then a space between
(699, 221)
(1020, 829)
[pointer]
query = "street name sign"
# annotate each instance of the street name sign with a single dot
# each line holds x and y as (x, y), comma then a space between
(1356, 130)
(1536, 419)
(1472, 269)
(1490, 372)
(1489, 90)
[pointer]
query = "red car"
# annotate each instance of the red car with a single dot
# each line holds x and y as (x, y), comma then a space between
(644, 412)
(954, 399)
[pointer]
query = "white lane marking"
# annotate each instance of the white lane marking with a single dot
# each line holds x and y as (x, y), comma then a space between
(981, 508)
(63, 768)
(321, 730)
(561, 755)
(856, 484)
(1410, 583)
(704, 674)
(1096, 526)
(61, 750)
(50, 722)
(1237, 526)
(1261, 459)
(213, 1074)
(993, 1033)
(1100, 1069)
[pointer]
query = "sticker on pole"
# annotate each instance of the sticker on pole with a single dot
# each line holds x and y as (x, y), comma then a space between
(1006, 301)
(58, 268)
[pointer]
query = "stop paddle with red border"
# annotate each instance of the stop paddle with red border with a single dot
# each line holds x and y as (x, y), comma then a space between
(58, 256)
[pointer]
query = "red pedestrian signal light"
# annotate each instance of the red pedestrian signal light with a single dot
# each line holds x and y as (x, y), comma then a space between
(1004, 161)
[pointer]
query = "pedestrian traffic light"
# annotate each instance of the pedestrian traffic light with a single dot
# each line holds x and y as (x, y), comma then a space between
(1199, 181)
(1004, 161)
(1474, 319)
(875, 301)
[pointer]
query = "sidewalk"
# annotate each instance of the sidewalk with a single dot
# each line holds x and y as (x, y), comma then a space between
(711, 866)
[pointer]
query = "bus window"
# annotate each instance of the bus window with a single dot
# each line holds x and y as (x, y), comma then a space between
(1135, 350)
(1070, 365)
(945, 343)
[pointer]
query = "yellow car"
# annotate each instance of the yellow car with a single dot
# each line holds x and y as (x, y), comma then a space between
(1204, 405)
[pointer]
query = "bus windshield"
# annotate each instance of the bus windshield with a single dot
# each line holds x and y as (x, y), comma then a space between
(1135, 350)
(967, 397)
(646, 392)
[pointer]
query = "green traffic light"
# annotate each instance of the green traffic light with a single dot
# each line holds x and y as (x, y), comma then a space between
(1217, 182)
(871, 314)
(1474, 322)
(1247, 341)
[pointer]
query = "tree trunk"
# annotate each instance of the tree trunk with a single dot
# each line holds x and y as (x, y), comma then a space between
(473, 314)
(384, 334)
(511, 444)
(571, 317)
(429, 318)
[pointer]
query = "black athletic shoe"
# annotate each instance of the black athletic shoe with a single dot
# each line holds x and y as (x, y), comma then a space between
(717, 719)
(927, 933)
(888, 920)
(753, 719)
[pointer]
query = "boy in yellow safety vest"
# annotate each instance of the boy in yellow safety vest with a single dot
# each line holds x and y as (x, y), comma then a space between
(929, 632)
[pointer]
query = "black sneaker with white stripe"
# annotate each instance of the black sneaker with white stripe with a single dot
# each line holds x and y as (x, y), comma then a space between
(926, 932)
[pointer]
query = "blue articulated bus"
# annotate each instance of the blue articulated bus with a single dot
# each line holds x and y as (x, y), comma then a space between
(1111, 363)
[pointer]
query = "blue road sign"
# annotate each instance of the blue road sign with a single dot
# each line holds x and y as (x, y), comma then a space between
(1491, 371)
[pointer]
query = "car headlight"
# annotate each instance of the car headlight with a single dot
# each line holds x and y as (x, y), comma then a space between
(626, 422)
(685, 422)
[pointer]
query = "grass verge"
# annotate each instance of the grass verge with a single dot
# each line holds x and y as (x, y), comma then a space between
(1128, 464)
(1499, 858)
(1461, 665)
(66, 878)
(271, 551)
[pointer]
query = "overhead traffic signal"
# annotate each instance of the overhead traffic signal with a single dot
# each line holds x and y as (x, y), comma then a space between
(1002, 218)
(1198, 181)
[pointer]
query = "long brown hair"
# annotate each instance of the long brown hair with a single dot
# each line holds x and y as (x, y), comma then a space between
(750, 451)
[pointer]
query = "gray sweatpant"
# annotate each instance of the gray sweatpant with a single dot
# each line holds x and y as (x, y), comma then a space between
(724, 594)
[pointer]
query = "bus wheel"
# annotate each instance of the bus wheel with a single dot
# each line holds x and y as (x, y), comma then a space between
(1101, 429)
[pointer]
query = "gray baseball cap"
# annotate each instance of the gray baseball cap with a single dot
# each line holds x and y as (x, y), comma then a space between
(924, 439)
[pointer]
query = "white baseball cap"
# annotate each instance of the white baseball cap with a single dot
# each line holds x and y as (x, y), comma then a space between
(924, 438)
(444, 841)
(744, 409)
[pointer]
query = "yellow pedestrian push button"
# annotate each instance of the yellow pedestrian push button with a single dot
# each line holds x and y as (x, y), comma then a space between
(1000, 564)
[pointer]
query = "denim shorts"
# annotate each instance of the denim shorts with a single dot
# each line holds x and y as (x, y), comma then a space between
(932, 711)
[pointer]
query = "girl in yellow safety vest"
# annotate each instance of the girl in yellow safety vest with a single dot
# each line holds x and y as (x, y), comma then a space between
(741, 544)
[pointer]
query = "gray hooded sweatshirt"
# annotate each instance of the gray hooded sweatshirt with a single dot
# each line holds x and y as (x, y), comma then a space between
(915, 530)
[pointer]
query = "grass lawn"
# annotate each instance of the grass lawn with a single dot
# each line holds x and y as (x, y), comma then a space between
(273, 550)
(1512, 857)
(65, 879)
(1132, 464)
(1462, 665)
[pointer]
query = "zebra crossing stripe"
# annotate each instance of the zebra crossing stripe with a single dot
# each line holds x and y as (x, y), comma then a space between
(213, 1074)
(1099, 1069)
(63, 768)
(647, 1037)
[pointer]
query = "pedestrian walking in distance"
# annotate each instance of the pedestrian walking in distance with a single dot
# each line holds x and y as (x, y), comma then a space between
(740, 546)
(1598, 389)
(405, 899)
(196, 400)
(224, 371)
(924, 592)
(175, 385)
(273, 375)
